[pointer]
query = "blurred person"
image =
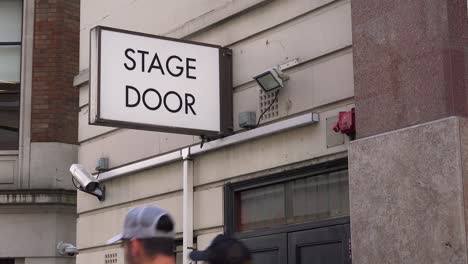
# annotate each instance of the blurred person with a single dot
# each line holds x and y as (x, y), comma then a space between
(148, 236)
(224, 250)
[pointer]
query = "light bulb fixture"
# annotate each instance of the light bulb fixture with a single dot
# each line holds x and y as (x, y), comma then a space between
(271, 79)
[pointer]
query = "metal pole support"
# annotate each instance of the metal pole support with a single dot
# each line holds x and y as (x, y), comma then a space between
(187, 205)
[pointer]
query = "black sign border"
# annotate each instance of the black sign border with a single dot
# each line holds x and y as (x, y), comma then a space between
(225, 90)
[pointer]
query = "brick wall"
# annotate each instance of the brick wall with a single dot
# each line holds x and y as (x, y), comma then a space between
(54, 116)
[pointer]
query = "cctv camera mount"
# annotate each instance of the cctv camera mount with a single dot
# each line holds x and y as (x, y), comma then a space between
(281, 75)
(99, 192)
(87, 182)
(66, 249)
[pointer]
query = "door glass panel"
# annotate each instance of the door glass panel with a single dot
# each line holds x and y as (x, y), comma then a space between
(261, 207)
(10, 20)
(320, 197)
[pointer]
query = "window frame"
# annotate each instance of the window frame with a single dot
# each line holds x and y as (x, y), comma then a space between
(231, 189)
(7, 261)
(21, 156)
(17, 43)
(4, 150)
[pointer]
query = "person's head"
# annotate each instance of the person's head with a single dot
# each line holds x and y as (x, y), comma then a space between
(224, 250)
(148, 236)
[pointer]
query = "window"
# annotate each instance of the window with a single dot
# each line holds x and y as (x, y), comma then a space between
(261, 207)
(289, 198)
(319, 197)
(10, 69)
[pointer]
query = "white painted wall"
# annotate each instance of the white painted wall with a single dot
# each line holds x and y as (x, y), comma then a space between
(317, 32)
(34, 231)
(325, 76)
(8, 170)
(154, 17)
(50, 163)
(99, 221)
(61, 260)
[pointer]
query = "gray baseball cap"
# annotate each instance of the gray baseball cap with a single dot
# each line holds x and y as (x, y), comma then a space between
(146, 222)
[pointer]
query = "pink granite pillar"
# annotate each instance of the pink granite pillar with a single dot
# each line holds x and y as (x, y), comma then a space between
(409, 62)
(409, 167)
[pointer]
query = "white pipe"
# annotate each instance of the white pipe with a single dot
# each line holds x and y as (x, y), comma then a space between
(263, 131)
(277, 127)
(141, 165)
(187, 214)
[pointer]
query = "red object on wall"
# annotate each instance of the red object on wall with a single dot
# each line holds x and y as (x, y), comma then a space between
(346, 123)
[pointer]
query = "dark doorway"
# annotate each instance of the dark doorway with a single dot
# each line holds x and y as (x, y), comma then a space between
(7, 261)
(325, 245)
(295, 217)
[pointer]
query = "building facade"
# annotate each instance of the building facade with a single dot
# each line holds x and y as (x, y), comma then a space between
(293, 189)
(38, 128)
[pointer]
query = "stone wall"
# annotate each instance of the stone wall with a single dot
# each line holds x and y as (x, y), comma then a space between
(406, 193)
(409, 63)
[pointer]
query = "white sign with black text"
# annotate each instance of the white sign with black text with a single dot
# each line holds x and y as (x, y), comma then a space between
(154, 83)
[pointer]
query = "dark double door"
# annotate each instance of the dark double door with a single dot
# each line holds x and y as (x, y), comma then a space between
(325, 245)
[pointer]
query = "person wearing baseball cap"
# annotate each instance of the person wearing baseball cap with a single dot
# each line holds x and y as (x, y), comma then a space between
(224, 250)
(148, 236)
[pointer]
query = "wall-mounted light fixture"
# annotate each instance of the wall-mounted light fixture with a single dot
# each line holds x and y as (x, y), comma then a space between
(271, 79)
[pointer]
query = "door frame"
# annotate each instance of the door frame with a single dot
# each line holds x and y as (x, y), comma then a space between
(230, 190)
(289, 228)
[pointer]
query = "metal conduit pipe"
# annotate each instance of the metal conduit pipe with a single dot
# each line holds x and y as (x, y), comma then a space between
(274, 128)
(187, 211)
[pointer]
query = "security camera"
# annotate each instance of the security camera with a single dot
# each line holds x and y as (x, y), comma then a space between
(66, 249)
(87, 182)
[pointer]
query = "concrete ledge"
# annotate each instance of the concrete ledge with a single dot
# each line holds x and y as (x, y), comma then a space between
(81, 78)
(43, 197)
